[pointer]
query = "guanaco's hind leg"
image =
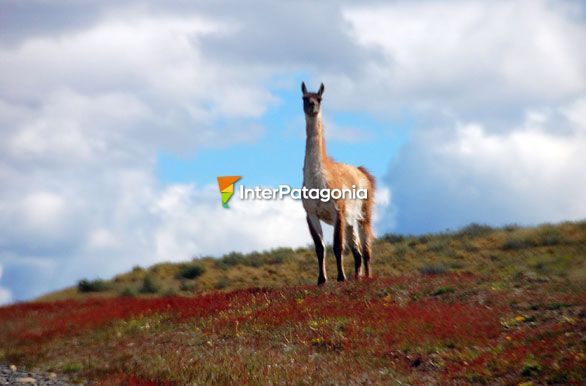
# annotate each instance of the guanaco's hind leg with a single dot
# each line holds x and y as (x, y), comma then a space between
(365, 233)
(354, 242)
(320, 247)
(339, 230)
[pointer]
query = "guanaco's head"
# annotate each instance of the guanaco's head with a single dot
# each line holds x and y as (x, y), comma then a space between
(311, 100)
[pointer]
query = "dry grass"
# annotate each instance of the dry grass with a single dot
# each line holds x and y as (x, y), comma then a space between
(541, 252)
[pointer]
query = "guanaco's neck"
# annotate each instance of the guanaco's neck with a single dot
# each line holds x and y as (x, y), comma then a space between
(315, 146)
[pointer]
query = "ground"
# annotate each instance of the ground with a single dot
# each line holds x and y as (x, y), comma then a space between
(482, 305)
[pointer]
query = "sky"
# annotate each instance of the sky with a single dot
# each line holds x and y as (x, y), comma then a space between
(117, 116)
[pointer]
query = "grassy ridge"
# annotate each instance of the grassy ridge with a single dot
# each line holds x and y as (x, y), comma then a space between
(481, 305)
(544, 252)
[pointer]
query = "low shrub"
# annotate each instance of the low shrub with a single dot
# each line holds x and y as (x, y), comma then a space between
(150, 285)
(280, 255)
(442, 290)
(222, 282)
(188, 286)
(515, 243)
(97, 285)
(401, 250)
(129, 292)
(433, 269)
(511, 228)
(230, 260)
(191, 271)
(439, 246)
(475, 230)
(549, 236)
(393, 238)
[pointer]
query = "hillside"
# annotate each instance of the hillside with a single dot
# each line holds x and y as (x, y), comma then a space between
(480, 305)
(511, 252)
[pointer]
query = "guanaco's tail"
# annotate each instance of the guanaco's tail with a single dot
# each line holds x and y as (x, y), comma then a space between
(365, 227)
(370, 177)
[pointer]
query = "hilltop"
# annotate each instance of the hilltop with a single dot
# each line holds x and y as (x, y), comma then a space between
(479, 305)
(510, 252)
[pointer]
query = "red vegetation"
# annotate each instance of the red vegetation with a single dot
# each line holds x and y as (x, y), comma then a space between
(70, 317)
(443, 325)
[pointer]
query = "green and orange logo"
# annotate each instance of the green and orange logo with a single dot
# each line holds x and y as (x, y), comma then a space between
(226, 184)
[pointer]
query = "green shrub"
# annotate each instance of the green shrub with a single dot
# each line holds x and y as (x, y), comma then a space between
(72, 367)
(401, 250)
(549, 236)
(439, 246)
(222, 282)
(150, 285)
(443, 290)
(191, 271)
(392, 238)
(97, 285)
(475, 230)
(129, 292)
(230, 260)
(188, 286)
(425, 238)
(511, 228)
(531, 367)
(170, 292)
(256, 259)
(412, 241)
(433, 269)
(280, 255)
(515, 243)
(468, 246)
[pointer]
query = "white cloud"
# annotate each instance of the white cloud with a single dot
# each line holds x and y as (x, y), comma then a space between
(119, 73)
(5, 294)
(382, 200)
(139, 223)
(469, 57)
(83, 116)
(335, 132)
(194, 223)
(530, 174)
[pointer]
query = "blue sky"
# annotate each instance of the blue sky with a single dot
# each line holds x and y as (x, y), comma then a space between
(276, 155)
(116, 117)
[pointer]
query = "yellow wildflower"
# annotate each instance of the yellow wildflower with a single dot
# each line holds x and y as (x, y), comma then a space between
(317, 340)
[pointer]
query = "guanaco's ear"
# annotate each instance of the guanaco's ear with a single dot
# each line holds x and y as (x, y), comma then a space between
(321, 89)
(303, 88)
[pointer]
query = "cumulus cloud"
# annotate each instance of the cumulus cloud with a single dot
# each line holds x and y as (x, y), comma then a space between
(449, 177)
(496, 90)
(84, 110)
(335, 132)
(5, 294)
(469, 59)
(175, 223)
(193, 222)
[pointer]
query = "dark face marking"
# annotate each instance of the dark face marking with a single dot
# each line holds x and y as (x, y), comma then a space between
(311, 104)
(311, 100)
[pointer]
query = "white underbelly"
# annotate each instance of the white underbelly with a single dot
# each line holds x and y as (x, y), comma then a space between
(327, 211)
